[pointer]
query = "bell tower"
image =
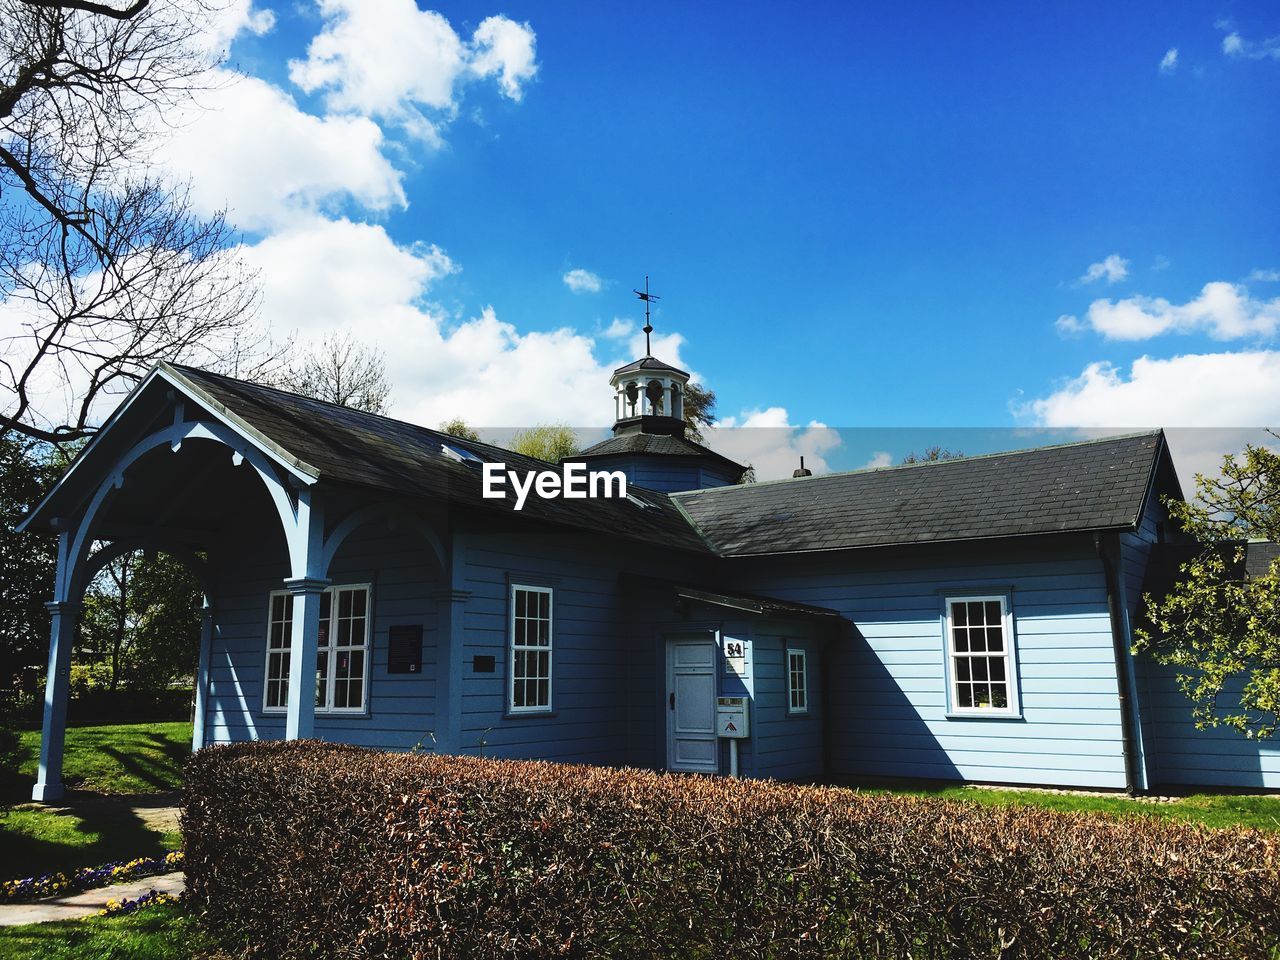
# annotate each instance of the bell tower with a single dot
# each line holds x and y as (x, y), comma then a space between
(649, 443)
(648, 397)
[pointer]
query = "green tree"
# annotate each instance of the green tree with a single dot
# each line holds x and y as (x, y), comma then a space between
(28, 561)
(141, 619)
(548, 441)
(699, 410)
(932, 454)
(1218, 627)
(457, 427)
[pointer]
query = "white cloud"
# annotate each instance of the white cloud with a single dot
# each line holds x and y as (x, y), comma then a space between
(1223, 310)
(1192, 390)
(1113, 268)
(1069, 325)
(583, 281)
(766, 439)
(1210, 404)
(323, 275)
(249, 147)
(619, 329)
(881, 458)
(1237, 47)
(392, 60)
(505, 48)
(1265, 276)
(1169, 62)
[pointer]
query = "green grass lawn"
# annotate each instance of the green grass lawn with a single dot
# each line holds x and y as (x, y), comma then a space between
(1215, 810)
(118, 758)
(162, 932)
(91, 826)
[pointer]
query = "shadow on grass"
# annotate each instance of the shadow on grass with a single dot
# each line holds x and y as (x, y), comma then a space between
(148, 769)
(84, 831)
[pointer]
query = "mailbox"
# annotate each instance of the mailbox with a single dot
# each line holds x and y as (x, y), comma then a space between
(731, 718)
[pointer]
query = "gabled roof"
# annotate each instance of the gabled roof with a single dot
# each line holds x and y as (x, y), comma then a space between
(657, 444)
(1093, 485)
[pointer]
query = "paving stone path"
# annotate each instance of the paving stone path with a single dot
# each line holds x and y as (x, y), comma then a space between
(89, 902)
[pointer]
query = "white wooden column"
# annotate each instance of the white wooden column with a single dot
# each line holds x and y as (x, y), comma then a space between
(202, 678)
(63, 616)
(300, 720)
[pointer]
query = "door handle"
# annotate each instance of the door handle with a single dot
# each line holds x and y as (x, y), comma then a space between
(673, 701)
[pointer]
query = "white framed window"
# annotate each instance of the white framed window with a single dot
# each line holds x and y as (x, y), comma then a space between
(342, 650)
(981, 664)
(530, 650)
(797, 680)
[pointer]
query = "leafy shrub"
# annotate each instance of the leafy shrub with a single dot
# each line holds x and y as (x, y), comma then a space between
(311, 849)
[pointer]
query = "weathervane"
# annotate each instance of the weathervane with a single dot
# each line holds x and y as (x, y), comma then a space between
(648, 298)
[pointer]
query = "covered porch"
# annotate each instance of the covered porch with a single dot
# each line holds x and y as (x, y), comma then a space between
(174, 471)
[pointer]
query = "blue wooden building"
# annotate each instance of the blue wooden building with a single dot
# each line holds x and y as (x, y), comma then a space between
(966, 620)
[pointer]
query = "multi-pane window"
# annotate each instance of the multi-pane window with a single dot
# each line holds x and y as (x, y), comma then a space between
(278, 637)
(797, 681)
(979, 647)
(530, 649)
(342, 650)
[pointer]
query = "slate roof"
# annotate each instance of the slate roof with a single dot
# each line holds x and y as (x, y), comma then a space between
(1093, 485)
(652, 364)
(659, 444)
(351, 447)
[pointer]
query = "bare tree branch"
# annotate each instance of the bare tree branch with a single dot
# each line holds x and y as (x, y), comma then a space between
(88, 6)
(104, 268)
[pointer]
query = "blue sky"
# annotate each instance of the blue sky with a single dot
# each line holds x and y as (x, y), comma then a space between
(860, 215)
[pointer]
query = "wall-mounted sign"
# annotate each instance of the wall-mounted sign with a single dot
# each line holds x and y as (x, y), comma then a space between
(404, 648)
(735, 657)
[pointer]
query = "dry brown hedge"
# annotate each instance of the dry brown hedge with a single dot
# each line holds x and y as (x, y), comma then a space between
(318, 850)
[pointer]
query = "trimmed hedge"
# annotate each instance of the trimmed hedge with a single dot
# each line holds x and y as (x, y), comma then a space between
(311, 850)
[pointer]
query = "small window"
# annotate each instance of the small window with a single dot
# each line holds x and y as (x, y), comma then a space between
(980, 651)
(530, 649)
(797, 681)
(342, 650)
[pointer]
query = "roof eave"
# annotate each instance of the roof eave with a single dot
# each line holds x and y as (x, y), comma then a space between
(163, 370)
(1109, 528)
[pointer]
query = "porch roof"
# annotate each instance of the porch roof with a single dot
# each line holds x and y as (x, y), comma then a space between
(752, 603)
(362, 449)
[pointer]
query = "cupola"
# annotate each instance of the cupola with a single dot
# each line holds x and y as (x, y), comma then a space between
(649, 443)
(648, 397)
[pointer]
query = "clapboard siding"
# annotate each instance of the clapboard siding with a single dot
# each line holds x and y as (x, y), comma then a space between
(590, 663)
(403, 575)
(887, 699)
(786, 746)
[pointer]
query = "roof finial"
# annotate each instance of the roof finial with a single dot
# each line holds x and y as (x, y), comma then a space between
(648, 298)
